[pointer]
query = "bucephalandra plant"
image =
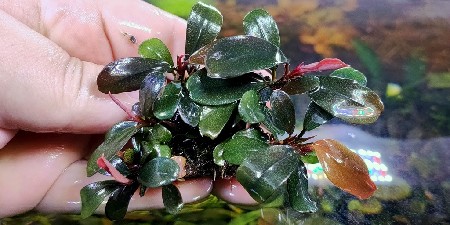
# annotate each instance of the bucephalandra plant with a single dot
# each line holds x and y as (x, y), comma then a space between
(220, 110)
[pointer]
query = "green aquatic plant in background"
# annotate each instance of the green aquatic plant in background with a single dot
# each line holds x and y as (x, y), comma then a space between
(181, 8)
(419, 95)
(222, 108)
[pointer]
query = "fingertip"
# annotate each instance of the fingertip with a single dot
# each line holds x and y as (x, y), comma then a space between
(64, 196)
(230, 190)
(5, 136)
(142, 21)
(191, 190)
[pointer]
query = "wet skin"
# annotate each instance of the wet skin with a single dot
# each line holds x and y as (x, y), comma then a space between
(51, 112)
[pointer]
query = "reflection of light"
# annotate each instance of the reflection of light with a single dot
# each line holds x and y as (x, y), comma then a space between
(377, 169)
(352, 111)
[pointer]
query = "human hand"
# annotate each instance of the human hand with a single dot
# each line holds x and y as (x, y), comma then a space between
(51, 53)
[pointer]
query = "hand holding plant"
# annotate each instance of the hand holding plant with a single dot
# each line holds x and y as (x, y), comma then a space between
(211, 113)
(48, 74)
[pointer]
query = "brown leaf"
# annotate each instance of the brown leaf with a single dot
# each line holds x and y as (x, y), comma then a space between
(344, 168)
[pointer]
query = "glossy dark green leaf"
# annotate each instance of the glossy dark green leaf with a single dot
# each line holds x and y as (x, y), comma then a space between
(315, 116)
(115, 139)
(347, 100)
(239, 147)
(283, 112)
(117, 205)
(263, 174)
(92, 195)
(269, 123)
(250, 109)
(210, 91)
(264, 94)
(350, 73)
(259, 23)
(218, 154)
(166, 105)
(172, 199)
(237, 55)
(150, 90)
(301, 85)
(153, 150)
(155, 49)
(189, 111)
(159, 134)
(127, 74)
(158, 172)
(297, 189)
(203, 26)
(248, 133)
(214, 118)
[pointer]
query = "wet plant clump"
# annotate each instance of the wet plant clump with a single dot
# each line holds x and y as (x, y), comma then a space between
(221, 111)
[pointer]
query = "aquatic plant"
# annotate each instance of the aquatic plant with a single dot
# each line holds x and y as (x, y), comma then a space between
(220, 109)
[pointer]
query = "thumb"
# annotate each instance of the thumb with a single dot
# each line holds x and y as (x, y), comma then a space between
(44, 89)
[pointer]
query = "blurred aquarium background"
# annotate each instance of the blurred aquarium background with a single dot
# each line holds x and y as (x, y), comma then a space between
(403, 47)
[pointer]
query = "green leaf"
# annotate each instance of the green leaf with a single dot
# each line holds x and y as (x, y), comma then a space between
(150, 90)
(315, 116)
(155, 49)
(210, 91)
(347, 100)
(218, 154)
(249, 107)
(416, 70)
(117, 205)
(247, 218)
(237, 55)
(249, 133)
(264, 173)
(259, 23)
(153, 150)
(269, 123)
(297, 189)
(301, 85)
(214, 118)
(115, 139)
(203, 26)
(283, 112)
(372, 62)
(158, 172)
(172, 199)
(240, 147)
(92, 195)
(189, 111)
(159, 134)
(310, 158)
(127, 74)
(350, 73)
(166, 105)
